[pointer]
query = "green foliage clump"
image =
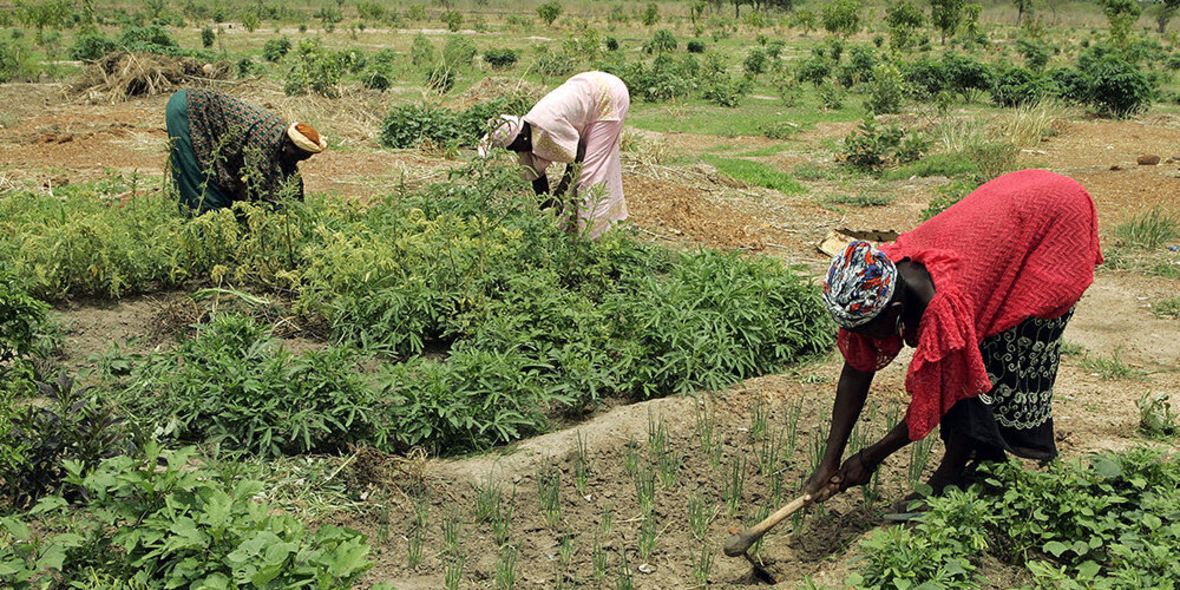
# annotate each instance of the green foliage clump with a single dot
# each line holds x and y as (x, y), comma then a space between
(20, 319)
(1020, 86)
(500, 59)
(842, 17)
(409, 126)
(152, 39)
(458, 51)
(1110, 522)
(1119, 89)
(91, 47)
(549, 12)
(903, 21)
(662, 42)
(274, 50)
(698, 46)
(232, 384)
(421, 51)
(316, 69)
(873, 146)
(16, 60)
(469, 267)
(208, 37)
(886, 91)
(157, 522)
(73, 426)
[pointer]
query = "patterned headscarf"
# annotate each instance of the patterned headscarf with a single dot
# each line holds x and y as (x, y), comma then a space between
(507, 128)
(859, 285)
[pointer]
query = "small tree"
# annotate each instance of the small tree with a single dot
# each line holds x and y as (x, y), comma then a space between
(453, 19)
(549, 12)
(208, 37)
(903, 20)
(804, 19)
(651, 14)
(49, 13)
(1122, 15)
(946, 15)
(1023, 7)
(1163, 13)
(842, 17)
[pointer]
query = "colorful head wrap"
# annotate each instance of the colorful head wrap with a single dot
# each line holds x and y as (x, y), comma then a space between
(859, 284)
(306, 138)
(507, 128)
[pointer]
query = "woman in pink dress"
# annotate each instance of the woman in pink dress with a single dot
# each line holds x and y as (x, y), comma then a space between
(578, 124)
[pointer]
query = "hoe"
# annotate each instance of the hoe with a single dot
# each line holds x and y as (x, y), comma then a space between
(740, 543)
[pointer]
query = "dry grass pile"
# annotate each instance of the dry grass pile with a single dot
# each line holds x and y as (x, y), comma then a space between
(495, 87)
(120, 76)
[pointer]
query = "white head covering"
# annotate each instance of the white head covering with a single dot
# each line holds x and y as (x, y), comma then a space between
(507, 128)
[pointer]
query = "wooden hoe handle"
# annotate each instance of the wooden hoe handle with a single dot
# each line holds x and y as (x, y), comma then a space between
(740, 543)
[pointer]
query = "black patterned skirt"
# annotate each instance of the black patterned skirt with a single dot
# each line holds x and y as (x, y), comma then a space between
(1016, 416)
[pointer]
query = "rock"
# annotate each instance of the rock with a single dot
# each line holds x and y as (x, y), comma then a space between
(1148, 160)
(1115, 167)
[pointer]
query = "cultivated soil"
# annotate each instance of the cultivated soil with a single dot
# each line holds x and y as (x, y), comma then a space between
(49, 138)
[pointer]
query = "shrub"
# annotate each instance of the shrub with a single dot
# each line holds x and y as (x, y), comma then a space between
(21, 317)
(724, 90)
(755, 62)
(925, 77)
(316, 69)
(903, 21)
(73, 426)
(611, 44)
(453, 20)
(842, 17)
(1019, 86)
(662, 42)
(233, 385)
(153, 39)
(1119, 89)
(276, 49)
(500, 59)
(549, 12)
(831, 97)
(372, 11)
(408, 126)
(208, 37)
(651, 15)
(872, 146)
(814, 69)
(1036, 54)
(1072, 86)
(422, 51)
(90, 47)
(378, 78)
(459, 51)
(887, 90)
(16, 60)
(698, 46)
(964, 73)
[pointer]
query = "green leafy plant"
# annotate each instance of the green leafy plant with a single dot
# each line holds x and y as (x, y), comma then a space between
(500, 59)
(276, 49)
(1156, 417)
(549, 12)
(232, 384)
(192, 527)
